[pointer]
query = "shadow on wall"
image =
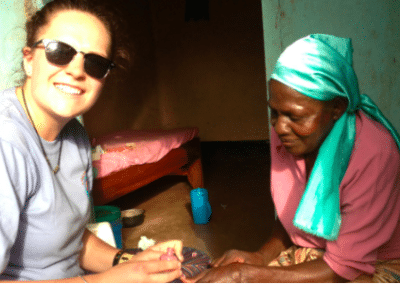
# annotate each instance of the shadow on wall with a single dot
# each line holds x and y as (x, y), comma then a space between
(190, 70)
(124, 94)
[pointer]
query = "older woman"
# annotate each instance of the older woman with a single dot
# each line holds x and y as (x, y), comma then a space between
(335, 176)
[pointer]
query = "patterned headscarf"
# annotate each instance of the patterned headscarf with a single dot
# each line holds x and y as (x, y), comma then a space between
(321, 67)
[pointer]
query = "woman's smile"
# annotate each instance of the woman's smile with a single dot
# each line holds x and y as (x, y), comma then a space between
(68, 89)
(62, 92)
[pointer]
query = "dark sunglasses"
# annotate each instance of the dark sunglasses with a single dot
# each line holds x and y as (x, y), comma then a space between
(61, 54)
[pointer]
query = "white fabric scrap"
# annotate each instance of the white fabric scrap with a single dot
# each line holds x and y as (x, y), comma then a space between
(145, 243)
(96, 153)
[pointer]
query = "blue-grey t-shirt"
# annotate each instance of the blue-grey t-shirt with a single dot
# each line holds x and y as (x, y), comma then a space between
(42, 215)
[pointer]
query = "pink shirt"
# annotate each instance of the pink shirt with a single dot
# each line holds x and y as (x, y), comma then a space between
(369, 200)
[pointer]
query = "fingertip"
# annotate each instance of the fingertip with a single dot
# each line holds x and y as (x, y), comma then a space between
(215, 263)
(177, 265)
(179, 254)
(180, 274)
(184, 280)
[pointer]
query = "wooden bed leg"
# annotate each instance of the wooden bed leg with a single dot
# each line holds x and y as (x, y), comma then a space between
(195, 174)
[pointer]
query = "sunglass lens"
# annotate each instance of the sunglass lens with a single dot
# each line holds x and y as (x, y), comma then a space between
(59, 53)
(96, 66)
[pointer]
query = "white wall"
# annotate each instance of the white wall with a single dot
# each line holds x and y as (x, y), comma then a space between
(12, 38)
(372, 25)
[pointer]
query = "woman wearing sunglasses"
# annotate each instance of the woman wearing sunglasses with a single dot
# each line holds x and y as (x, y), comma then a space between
(45, 164)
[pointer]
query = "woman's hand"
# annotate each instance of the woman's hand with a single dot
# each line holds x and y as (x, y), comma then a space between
(136, 270)
(231, 267)
(234, 272)
(311, 271)
(162, 247)
(237, 256)
(146, 266)
(155, 252)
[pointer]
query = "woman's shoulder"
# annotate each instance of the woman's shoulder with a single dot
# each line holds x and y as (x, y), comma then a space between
(6, 100)
(14, 128)
(14, 135)
(16, 147)
(372, 138)
(374, 163)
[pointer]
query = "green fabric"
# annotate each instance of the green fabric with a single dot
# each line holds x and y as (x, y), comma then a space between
(320, 66)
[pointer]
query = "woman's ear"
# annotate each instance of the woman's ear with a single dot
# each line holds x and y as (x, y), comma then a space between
(339, 107)
(27, 61)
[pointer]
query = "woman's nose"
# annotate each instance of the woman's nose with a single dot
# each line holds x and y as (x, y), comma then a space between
(76, 66)
(281, 125)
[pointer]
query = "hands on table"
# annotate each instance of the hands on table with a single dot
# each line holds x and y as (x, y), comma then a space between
(146, 266)
(228, 268)
(152, 253)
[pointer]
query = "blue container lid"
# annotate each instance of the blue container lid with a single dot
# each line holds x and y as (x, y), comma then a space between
(107, 213)
(199, 192)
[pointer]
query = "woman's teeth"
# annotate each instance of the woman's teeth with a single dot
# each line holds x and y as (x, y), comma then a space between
(68, 89)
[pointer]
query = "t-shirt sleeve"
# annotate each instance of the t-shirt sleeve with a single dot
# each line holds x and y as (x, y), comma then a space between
(16, 185)
(370, 212)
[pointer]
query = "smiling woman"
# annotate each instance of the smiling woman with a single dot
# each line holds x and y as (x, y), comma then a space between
(45, 156)
(57, 92)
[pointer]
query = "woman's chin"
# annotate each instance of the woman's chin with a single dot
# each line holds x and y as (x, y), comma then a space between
(295, 151)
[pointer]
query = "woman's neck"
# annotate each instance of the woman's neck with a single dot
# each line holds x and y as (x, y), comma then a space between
(46, 125)
(309, 161)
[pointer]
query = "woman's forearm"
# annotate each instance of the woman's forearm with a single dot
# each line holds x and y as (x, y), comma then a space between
(96, 255)
(312, 271)
(78, 279)
(278, 242)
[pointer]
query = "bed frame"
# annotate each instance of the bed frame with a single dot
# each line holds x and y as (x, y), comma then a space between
(184, 161)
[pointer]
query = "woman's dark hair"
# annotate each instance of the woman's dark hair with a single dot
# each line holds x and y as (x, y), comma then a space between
(104, 12)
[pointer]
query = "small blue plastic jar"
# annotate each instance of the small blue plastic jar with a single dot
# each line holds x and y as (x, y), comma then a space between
(201, 207)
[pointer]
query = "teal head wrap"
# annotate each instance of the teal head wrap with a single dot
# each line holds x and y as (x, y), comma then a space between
(320, 66)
